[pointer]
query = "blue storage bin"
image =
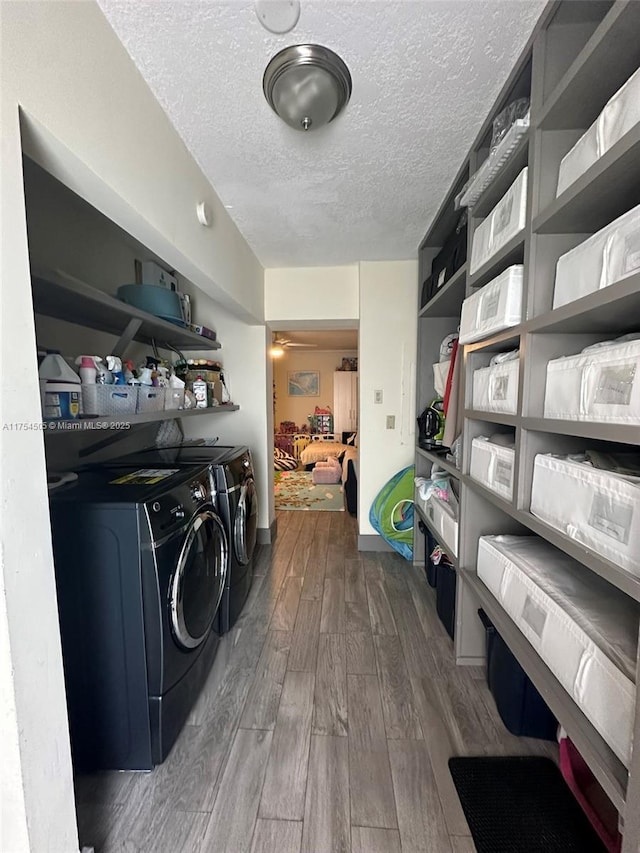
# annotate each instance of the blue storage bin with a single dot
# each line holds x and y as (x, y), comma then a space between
(521, 708)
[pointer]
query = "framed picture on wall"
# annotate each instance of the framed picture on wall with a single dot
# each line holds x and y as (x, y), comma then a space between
(303, 383)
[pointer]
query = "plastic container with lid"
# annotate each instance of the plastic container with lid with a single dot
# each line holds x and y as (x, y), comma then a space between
(59, 388)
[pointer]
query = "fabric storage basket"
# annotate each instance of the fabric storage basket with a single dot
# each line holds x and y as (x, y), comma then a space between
(596, 507)
(446, 597)
(492, 465)
(503, 223)
(611, 254)
(599, 385)
(444, 521)
(150, 399)
(174, 398)
(621, 113)
(580, 158)
(109, 400)
(584, 629)
(495, 388)
(497, 306)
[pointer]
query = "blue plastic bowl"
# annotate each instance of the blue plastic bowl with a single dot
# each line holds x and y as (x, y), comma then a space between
(156, 300)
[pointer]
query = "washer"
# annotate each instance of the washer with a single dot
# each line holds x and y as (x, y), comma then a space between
(237, 502)
(141, 559)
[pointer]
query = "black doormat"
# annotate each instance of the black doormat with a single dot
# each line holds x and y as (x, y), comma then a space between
(521, 805)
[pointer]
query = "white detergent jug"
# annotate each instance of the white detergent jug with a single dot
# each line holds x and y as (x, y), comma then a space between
(59, 388)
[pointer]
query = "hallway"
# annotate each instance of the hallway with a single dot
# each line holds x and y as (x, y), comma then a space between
(325, 725)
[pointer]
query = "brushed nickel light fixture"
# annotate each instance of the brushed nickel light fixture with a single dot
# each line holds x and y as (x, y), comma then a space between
(307, 85)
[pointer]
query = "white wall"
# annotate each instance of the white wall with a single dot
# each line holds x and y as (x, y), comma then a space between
(91, 120)
(311, 293)
(386, 361)
(326, 363)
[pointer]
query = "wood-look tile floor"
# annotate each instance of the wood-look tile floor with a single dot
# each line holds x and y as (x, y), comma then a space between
(325, 725)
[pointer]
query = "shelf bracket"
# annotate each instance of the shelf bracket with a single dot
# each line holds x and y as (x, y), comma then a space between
(126, 337)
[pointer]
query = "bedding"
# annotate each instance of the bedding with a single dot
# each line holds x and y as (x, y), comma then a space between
(585, 630)
(319, 451)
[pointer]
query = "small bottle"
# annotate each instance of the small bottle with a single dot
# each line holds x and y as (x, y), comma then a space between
(87, 370)
(199, 388)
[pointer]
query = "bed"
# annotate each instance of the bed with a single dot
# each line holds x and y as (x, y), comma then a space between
(319, 451)
(585, 630)
(594, 506)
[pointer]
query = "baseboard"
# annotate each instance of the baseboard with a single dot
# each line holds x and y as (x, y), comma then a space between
(468, 660)
(372, 542)
(268, 535)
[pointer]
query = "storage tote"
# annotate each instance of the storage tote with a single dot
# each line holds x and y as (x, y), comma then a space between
(496, 306)
(109, 401)
(503, 223)
(495, 388)
(150, 399)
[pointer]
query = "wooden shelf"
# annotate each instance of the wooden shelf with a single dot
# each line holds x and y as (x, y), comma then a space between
(447, 302)
(438, 459)
(613, 309)
(606, 62)
(511, 253)
(605, 765)
(623, 433)
(109, 424)
(605, 191)
(500, 342)
(492, 417)
(58, 295)
(436, 535)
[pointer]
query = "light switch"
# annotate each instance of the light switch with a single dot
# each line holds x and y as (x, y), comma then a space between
(391, 421)
(377, 396)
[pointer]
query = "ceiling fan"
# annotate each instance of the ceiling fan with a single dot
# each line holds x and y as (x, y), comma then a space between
(286, 343)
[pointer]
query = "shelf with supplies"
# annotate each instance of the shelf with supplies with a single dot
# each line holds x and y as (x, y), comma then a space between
(559, 475)
(106, 424)
(424, 518)
(447, 301)
(439, 459)
(63, 297)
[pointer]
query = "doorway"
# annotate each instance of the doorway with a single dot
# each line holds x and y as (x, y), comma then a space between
(315, 416)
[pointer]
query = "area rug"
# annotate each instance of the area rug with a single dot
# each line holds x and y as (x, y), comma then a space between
(521, 805)
(295, 490)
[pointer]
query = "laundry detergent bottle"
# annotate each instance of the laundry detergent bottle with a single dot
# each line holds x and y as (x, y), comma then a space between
(59, 388)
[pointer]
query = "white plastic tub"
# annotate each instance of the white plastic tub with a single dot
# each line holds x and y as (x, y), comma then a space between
(496, 306)
(611, 254)
(442, 517)
(495, 388)
(503, 223)
(492, 465)
(580, 158)
(598, 508)
(150, 399)
(600, 385)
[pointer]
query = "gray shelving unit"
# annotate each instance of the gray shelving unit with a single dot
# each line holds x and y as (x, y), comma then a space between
(580, 54)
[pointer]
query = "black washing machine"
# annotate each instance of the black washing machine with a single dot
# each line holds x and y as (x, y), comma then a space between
(237, 502)
(141, 559)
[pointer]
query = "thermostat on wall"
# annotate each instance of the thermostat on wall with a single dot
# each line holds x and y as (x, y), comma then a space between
(153, 273)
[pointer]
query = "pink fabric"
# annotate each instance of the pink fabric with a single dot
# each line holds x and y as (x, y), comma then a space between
(327, 473)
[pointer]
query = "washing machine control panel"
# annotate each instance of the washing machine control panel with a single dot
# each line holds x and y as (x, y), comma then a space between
(198, 492)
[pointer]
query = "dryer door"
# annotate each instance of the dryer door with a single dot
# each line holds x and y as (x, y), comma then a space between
(245, 529)
(199, 578)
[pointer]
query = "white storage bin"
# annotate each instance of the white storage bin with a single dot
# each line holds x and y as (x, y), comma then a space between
(503, 223)
(595, 507)
(442, 517)
(495, 388)
(174, 398)
(584, 630)
(619, 116)
(621, 113)
(600, 385)
(580, 158)
(492, 465)
(611, 254)
(109, 400)
(150, 399)
(497, 306)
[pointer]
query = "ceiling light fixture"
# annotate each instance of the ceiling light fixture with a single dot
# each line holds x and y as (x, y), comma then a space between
(276, 352)
(307, 85)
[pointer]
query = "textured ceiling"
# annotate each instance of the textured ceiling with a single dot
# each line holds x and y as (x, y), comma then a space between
(425, 74)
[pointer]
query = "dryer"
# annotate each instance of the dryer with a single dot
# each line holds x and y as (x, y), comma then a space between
(141, 560)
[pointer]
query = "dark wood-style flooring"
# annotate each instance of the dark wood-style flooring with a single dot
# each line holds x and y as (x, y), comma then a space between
(326, 722)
